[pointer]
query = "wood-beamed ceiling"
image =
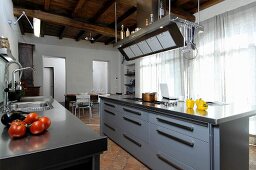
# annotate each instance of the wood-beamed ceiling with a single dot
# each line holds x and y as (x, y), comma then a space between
(78, 19)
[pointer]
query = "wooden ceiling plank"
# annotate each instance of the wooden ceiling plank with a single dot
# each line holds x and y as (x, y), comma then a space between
(62, 32)
(205, 5)
(78, 7)
(183, 14)
(47, 4)
(103, 8)
(65, 21)
(119, 20)
(181, 2)
(80, 35)
(124, 16)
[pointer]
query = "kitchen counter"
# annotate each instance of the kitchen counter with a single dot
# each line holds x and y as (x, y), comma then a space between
(215, 114)
(172, 137)
(68, 143)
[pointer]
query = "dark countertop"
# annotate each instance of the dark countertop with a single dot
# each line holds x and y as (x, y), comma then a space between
(215, 114)
(68, 138)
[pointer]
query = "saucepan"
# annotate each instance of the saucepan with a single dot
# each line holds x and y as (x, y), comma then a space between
(149, 97)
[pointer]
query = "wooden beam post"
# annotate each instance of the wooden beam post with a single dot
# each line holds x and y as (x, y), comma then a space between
(62, 32)
(80, 35)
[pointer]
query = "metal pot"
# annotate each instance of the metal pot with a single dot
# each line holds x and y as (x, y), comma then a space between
(149, 97)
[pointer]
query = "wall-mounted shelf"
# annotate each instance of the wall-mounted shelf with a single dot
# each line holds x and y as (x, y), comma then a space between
(129, 79)
(130, 74)
(130, 85)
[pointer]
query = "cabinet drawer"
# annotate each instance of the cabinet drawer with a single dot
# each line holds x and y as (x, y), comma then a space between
(134, 113)
(111, 117)
(192, 152)
(135, 146)
(110, 106)
(196, 131)
(111, 132)
(166, 162)
(136, 127)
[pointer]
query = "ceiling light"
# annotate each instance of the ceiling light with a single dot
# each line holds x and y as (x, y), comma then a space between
(37, 25)
(90, 38)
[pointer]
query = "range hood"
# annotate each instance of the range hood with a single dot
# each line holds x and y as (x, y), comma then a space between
(164, 34)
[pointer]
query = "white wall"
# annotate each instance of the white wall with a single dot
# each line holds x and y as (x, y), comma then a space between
(59, 69)
(12, 32)
(79, 58)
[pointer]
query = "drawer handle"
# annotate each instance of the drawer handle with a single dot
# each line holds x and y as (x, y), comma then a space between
(110, 105)
(132, 140)
(168, 162)
(132, 121)
(131, 111)
(191, 129)
(109, 112)
(113, 129)
(191, 144)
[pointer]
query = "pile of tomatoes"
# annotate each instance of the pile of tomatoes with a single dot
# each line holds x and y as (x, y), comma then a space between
(33, 122)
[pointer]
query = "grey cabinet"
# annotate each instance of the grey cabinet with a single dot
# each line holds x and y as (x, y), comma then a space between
(160, 142)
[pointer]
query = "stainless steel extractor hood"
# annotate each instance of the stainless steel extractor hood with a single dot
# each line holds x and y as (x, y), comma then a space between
(164, 34)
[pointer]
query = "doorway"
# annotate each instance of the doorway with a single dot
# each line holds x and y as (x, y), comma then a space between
(54, 81)
(49, 81)
(100, 76)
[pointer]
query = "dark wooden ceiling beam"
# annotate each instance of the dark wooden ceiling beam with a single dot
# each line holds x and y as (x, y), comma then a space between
(110, 40)
(128, 13)
(65, 21)
(205, 5)
(78, 7)
(181, 2)
(47, 4)
(21, 27)
(103, 8)
(42, 29)
(80, 35)
(62, 32)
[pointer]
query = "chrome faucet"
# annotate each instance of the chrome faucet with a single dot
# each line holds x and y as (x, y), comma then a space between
(13, 87)
(6, 107)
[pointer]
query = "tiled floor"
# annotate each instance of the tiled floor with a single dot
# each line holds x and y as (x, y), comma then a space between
(115, 158)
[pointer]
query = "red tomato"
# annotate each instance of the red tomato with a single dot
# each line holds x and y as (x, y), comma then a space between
(17, 122)
(37, 127)
(31, 117)
(46, 121)
(17, 130)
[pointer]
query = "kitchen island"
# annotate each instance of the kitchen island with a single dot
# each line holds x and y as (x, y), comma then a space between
(174, 137)
(67, 144)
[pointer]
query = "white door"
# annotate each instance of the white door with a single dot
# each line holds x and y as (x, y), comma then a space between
(100, 76)
(49, 81)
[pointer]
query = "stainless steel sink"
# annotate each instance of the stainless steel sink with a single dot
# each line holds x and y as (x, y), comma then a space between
(30, 104)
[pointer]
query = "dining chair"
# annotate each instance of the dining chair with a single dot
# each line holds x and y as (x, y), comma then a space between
(83, 102)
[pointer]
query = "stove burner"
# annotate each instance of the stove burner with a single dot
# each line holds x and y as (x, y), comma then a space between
(165, 103)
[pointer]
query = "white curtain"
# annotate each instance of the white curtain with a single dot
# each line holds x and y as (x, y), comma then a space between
(225, 69)
(165, 67)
